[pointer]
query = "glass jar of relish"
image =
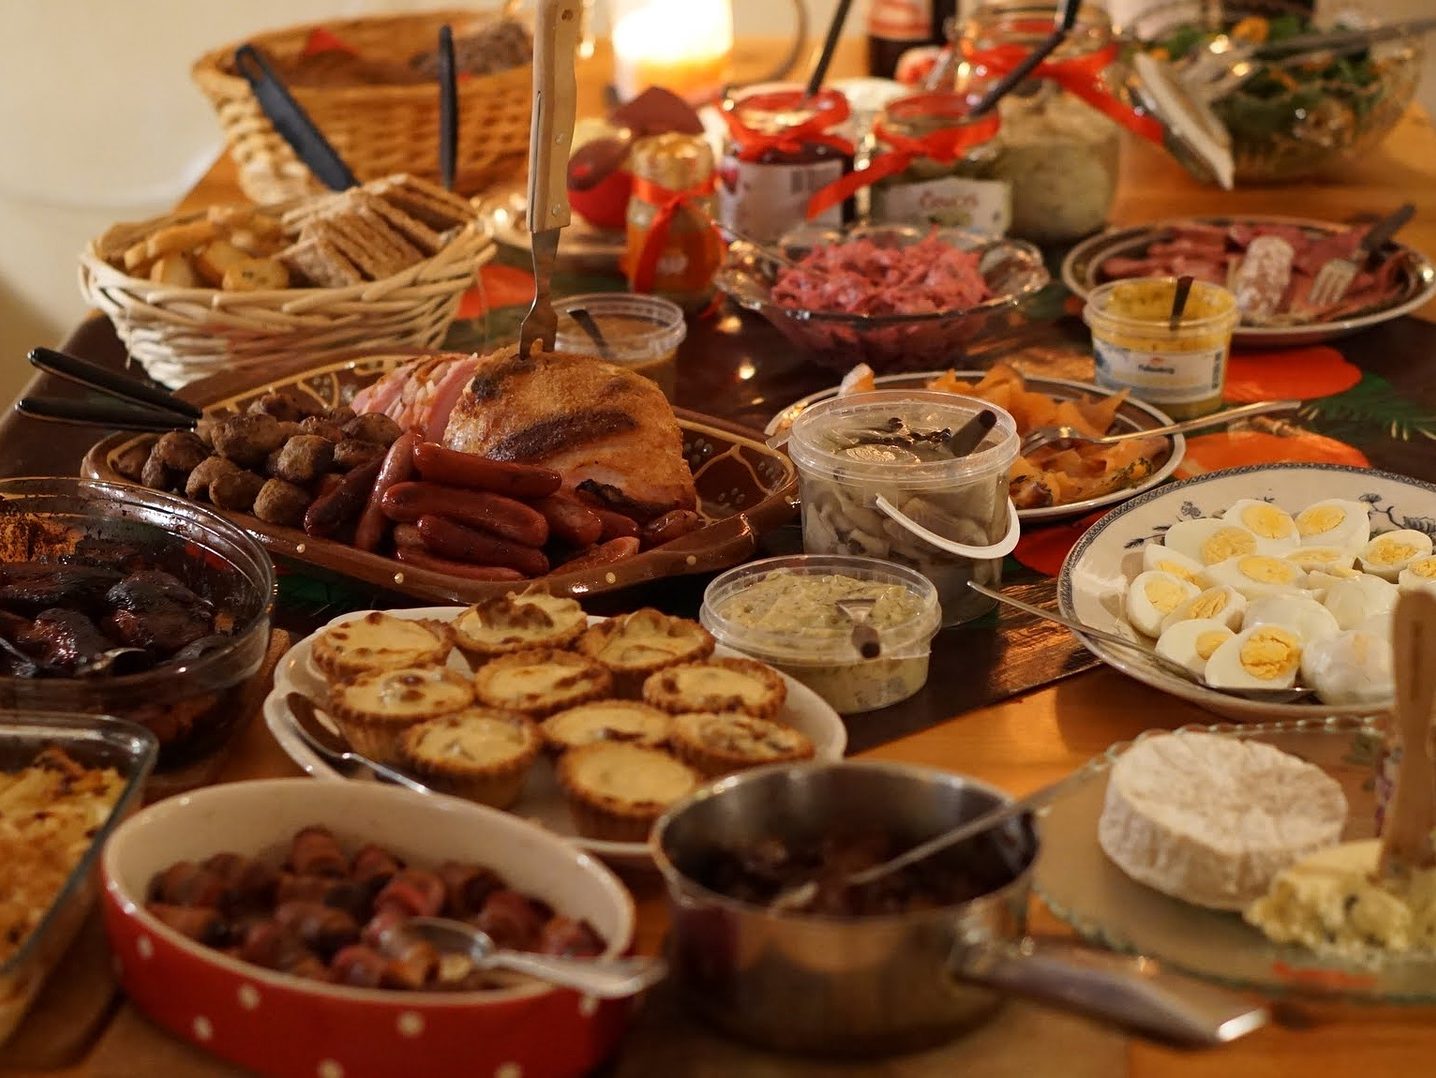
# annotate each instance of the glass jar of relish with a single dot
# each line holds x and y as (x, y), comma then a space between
(782, 148)
(940, 165)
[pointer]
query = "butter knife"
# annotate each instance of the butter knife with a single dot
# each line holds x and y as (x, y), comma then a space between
(556, 37)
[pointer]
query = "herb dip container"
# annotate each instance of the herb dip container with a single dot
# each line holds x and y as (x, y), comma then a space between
(948, 517)
(784, 612)
(643, 332)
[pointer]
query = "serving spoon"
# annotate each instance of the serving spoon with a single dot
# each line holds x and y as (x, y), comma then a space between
(335, 748)
(605, 978)
(1039, 436)
(1269, 696)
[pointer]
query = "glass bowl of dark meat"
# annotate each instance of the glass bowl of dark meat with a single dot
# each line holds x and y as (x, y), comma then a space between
(891, 296)
(123, 601)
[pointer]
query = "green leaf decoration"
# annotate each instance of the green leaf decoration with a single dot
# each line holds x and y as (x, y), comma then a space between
(1369, 409)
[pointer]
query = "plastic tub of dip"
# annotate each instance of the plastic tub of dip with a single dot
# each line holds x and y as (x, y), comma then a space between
(1181, 369)
(643, 332)
(784, 612)
(878, 479)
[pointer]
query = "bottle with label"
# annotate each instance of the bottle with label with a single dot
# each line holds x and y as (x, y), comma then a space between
(895, 26)
(948, 159)
(782, 148)
(673, 249)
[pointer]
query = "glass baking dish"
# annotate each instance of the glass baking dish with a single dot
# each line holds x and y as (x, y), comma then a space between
(91, 741)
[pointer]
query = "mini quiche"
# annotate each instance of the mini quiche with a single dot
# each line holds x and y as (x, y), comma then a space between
(634, 646)
(478, 753)
(379, 641)
(718, 685)
(539, 682)
(716, 744)
(607, 720)
(510, 623)
(375, 709)
(615, 791)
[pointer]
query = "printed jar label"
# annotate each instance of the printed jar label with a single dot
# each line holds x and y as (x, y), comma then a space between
(764, 201)
(952, 201)
(1161, 377)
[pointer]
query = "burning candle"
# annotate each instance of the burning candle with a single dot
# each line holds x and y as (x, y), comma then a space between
(681, 45)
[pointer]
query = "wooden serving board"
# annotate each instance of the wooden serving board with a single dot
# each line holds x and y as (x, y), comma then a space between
(744, 489)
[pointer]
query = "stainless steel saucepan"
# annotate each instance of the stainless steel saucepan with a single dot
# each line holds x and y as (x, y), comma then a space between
(812, 983)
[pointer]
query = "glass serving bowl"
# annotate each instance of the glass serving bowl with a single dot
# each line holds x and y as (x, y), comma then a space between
(1290, 122)
(188, 705)
(893, 342)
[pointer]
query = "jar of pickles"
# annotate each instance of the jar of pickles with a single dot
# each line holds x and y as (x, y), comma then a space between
(673, 249)
(1059, 145)
(937, 165)
(782, 148)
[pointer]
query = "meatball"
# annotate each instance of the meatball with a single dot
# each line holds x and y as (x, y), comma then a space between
(248, 439)
(180, 451)
(130, 461)
(205, 473)
(236, 490)
(284, 407)
(279, 502)
(339, 416)
(155, 475)
(322, 427)
(374, 427)
(352, 453)
(302, 459)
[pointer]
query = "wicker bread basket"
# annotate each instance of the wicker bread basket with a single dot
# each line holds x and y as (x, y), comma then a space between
(181, 334)
(379, 129)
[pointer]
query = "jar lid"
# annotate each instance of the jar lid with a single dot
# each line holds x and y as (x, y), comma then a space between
(793, 616)
(939, 110)
(770, 110)
(1194, 135)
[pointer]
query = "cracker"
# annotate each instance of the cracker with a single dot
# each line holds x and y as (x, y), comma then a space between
(185, 237)
(256, 275)
(411, 228)
(316, 259)
(214, 260)
(174, 269)
(430, 203)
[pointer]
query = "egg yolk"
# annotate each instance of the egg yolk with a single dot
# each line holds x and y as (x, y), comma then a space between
(1227, 543)
(1389, 552)
(1163, 594)
(1209, 604)
(1267, 521)
(1208, 642)
(1176, 570)
(1423, 567)
(1265, 570)
(1320, 518)
(1270, 653)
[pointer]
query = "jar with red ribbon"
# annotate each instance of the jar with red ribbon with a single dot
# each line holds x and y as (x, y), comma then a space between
(783, 146)
(936, 165)
(1060, 141)
(673, 248)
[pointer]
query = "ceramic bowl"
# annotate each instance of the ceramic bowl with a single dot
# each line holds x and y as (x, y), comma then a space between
(277, 1024)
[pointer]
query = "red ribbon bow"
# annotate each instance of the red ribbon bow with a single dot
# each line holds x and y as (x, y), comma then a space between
(831, 108)
(645, 268)
(945, 146)
(1080, 76)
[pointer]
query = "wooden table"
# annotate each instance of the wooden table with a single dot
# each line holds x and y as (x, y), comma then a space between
(1019, 745)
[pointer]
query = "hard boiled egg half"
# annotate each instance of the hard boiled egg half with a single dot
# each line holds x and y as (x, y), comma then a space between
(1353, 667)
(1264, 657)
(1192, 642)
(1334, 522)
(1154, 595)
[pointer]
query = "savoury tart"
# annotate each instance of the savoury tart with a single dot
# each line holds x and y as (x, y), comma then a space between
(379, 641)
(375, 709)
(717, 744)
(478, 753)
(511, 623)
(718, 685)
(626, 721)
(633, 646)
(539, 682)
(615, 791)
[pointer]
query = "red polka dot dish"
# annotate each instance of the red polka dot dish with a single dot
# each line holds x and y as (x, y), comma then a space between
(279, 1024)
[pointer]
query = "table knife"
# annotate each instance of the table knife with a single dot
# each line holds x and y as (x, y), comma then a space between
(555, 94)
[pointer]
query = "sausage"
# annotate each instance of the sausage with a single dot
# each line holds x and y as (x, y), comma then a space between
(512, 920)
(202, 924)
(625, 546)
(360, 966)
(670, 526)
(398, 466)
(440, 465)
(417, 892)
(1262, 277)
(467, 887)
(422, 559)
(505, 517)
(565, 936)
(274, 946)
(615, 525)
(449, 539)
(322, 928)
(187, 884)
(570, 520)
(315, 852)
(406, 536)
(330, 512)
(374, 863)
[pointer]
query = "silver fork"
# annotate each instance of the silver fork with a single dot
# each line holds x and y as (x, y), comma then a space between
(1336, 276)
(1040, 436)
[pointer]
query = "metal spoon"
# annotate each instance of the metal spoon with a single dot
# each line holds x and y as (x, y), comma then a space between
(764, 251)
(605, 978)
(865, 638)
(1040, 436)
(334, 748)
(1269, 696)
(587, 323)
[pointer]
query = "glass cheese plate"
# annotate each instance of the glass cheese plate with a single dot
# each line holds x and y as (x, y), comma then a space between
(1108, 908)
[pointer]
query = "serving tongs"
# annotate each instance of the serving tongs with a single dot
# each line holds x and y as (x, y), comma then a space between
(291, 121)
(126, 404)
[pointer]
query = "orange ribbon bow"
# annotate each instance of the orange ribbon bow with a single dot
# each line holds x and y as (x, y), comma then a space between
(645, 267)
(830, 108)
